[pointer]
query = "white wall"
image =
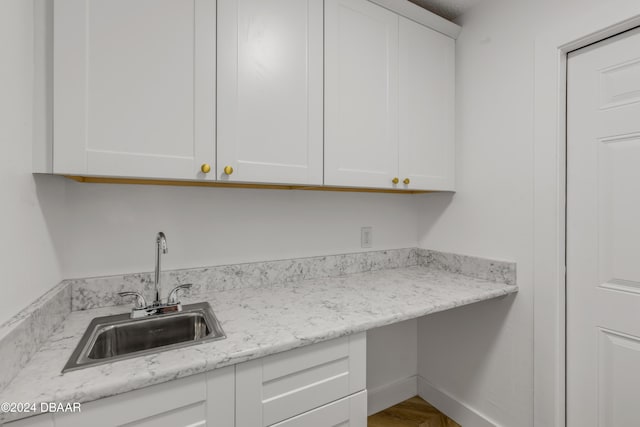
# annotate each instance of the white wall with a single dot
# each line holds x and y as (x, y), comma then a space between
(392, 355)
(483, 354)
(112, 228)
(392, 364)
(30, 209)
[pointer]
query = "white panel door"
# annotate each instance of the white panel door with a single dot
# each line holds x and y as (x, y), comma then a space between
(270, 68)
(361, 94)
(603, 234)
(426, 106)
(134, 87)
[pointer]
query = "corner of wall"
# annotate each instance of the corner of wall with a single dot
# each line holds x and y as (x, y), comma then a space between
(451, 407)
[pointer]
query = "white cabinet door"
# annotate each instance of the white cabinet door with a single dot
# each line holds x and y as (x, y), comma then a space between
(221, 397)
(361, 94)
(426, 105)
(134, 87)
(196, 401)
(348, 412)
(270, 69)
(284, 385)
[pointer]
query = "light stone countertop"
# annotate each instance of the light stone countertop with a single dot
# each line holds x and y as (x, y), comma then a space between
(258, 322)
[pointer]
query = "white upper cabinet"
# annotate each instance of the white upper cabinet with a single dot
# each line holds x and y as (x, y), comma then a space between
(389, 100)
(426, 119)
(134, 88)
(270, 90)
(361, 94)
(348, 93)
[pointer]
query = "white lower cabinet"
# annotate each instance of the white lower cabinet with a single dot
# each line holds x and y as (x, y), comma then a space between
(196, 401)
(320, 385)
(285, 385)
(45, 420)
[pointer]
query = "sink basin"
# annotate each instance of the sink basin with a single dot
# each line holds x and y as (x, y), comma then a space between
(118, 337)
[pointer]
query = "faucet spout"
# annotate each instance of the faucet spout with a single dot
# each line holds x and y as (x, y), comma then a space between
(161, 248)
(157, 307)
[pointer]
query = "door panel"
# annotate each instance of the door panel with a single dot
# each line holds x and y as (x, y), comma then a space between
(620, 84)
(619, 376)
(603, 233)
(426, 119)
(361, 94)
(134, 84)
(619, 174)
(270, 68)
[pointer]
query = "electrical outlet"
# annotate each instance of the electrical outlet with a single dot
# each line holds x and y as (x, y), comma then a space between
(366, 237)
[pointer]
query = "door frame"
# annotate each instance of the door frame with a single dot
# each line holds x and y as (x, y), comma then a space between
(551, 48)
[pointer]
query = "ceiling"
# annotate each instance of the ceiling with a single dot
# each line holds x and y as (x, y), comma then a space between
(449, 9)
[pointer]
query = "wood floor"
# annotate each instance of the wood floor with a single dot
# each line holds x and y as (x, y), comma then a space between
(413, 412)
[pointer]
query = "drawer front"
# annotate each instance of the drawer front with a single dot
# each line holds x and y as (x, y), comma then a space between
(284, 385)
(196, 401)
(163, 405)
(45, 420)
(348, 412)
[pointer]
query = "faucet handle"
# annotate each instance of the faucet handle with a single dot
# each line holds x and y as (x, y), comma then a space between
(173, 295)
(140, 301)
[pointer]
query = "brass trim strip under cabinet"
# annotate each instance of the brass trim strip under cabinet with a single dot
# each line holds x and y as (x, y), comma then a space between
(142, 181)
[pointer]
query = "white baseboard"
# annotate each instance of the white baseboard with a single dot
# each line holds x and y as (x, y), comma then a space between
(452, 408)
(390, 394)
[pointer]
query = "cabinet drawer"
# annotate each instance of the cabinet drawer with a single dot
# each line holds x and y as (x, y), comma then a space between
(198, 400)
(185, 397)
(44, 420)
(348, 412)
(284, 385)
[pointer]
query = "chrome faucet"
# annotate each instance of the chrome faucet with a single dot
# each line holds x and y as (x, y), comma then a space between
(141, 308)
(161, 245)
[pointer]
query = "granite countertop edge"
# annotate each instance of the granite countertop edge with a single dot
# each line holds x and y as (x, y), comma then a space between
(324, 308)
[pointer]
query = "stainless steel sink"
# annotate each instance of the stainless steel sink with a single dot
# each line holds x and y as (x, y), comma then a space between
(120, 337)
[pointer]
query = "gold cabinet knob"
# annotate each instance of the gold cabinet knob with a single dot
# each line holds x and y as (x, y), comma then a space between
(395, 180)
(406, 181)
(205, 168)
(228, 170)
